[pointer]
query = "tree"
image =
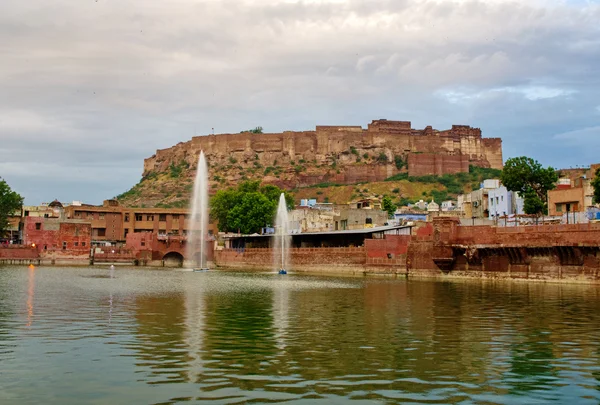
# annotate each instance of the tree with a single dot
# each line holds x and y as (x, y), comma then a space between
(596, 186)
(248, 207)
(527, 176)
(388, 205)
(257, 130)
(10, 201)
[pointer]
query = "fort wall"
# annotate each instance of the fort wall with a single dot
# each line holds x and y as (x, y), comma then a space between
(427, 151)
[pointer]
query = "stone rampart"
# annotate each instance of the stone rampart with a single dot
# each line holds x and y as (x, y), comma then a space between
(428, 151)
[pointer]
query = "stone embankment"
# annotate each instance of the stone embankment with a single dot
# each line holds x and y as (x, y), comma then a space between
(567, 253)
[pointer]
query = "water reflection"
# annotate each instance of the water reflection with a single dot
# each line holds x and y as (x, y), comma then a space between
(30, 294)
(234, 338)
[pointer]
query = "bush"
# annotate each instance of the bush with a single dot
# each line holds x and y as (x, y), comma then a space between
(399, 162)
(353, 150)
(232, 160)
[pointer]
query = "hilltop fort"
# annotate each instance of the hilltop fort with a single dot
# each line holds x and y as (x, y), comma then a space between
(328, 154)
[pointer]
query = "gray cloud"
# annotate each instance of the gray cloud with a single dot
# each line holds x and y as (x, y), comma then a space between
(90, 88)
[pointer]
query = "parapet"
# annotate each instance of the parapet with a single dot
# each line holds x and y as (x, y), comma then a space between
(383, 125)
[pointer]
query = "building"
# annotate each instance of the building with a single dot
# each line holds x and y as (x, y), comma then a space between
(502, 202)
(448, 205)
(347, 238)
(369, 203)
(433, 206)
(305, 219)
(111, 222)
(576, 196)
(349, 218)
(58, 238)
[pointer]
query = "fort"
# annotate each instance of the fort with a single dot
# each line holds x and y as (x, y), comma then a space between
(340, 154)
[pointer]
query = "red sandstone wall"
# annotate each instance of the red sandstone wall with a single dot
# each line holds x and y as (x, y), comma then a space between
(51, 235)
(529, 236)
(18, 252)
(394, 245)
(301, 258)
(422, 164)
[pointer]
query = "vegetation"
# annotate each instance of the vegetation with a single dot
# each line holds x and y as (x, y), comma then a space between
(596, 186)
(388, 205)
(248, 207)
(454, 184)
(353, 150)
(176, 170)
(10, 201)
(399, 162)
(257, 130)
(531, 180)
(382, 158)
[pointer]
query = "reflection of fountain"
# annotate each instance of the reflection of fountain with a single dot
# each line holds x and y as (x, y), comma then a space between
(194, 334)
(282, 240)
(199, 205)
(30, 294)
(281, 298)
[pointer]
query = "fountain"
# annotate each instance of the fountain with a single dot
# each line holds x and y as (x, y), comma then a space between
(282, 240)
(199, 206)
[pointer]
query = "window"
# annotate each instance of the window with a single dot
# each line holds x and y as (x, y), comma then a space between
(149, 217)
(369, 221)
(143, 243)
(162, 217)
(501, 198)
(76, 244)
(101, 231)
(175, 217)
(82, 243)
(38, 226)
(558, 207)
(64, 245)
(138, 217)
(126, 217)
(101, 215)
(45, 247)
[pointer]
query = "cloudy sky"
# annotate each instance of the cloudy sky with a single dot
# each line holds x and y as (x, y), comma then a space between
(89, 88)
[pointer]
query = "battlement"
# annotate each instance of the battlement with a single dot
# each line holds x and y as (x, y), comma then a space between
(426, 151)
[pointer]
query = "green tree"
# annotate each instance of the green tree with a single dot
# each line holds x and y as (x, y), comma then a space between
(388, 205)
(596, 186)
(257, 130)
(10, 201)
(527, 176)
(248, 207)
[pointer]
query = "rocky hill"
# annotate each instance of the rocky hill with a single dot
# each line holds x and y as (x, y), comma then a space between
(312, 163)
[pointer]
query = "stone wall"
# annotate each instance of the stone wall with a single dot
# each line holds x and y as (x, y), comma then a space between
(557, 252)
(334, 260)
(428, 151)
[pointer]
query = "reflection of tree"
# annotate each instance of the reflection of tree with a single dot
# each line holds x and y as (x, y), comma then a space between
(531, 364)
(160, 331)
(239, 332)
(5, 314)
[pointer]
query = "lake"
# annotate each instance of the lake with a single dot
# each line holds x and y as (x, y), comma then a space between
(76, 335)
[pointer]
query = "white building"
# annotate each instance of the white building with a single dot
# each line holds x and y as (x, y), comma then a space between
(433, 206)
(502, 202)
(448, 205)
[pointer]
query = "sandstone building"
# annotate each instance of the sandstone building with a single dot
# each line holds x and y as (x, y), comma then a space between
(340, 154)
